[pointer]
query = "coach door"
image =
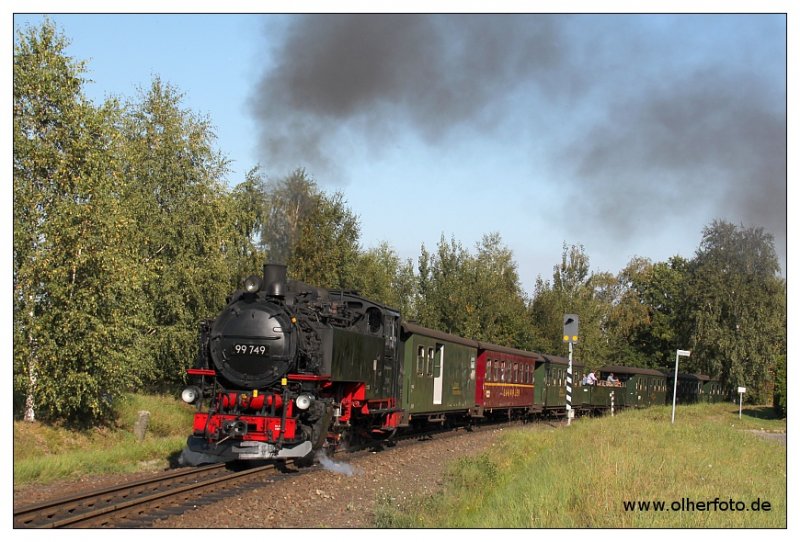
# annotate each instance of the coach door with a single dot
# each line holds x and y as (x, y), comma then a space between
(438, 372)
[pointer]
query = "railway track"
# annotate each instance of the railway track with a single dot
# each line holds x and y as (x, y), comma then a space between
(138, 502)
(141, 502)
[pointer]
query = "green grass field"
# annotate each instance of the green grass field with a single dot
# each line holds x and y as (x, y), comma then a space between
(44, 453)
(582, 476)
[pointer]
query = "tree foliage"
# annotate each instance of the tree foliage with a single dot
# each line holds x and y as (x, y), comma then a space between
(477, 296)
(125, 235)
(736, 320)
(574, 290)
(186, 226)
(314, 234)
(382, 276)
(727, 305)
(71, 237)
(648, 322)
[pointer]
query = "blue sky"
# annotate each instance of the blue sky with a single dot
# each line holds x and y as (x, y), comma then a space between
(626, 134)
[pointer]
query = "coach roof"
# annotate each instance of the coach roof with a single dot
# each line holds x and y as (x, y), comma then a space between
(415, 329)
(620, 369)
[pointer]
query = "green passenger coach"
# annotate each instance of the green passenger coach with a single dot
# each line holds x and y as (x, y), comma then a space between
(642, 387)
(439, 374)
(550, 385)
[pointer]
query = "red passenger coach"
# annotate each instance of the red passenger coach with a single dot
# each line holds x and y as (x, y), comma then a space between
(504, 381)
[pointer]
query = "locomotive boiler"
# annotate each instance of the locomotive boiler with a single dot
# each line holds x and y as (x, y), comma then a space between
(287, 369)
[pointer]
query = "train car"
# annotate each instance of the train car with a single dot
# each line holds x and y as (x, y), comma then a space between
(690, 387)
(550, 376)
(288, 369)
(504, 384)
(714, 391)
(642, 387)
(438, 376)
(604, 395)
(695, 388)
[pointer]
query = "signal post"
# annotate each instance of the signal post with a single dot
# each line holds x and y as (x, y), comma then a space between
(570, 336)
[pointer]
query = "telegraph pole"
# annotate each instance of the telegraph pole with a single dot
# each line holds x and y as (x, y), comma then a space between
(570, 336)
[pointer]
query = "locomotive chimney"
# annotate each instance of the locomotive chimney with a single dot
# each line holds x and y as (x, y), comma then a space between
(275, 279)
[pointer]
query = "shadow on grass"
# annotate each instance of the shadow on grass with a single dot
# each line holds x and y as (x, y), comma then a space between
(761, 413)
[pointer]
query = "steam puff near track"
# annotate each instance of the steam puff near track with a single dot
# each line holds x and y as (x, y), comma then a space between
(334, 466)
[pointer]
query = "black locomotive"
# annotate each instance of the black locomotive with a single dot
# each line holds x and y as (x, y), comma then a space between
(287, 367)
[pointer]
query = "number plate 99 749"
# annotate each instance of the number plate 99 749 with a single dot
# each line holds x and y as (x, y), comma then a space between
(250, 349)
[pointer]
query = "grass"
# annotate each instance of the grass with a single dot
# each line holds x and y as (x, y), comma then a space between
(45, 453)
(580, 476)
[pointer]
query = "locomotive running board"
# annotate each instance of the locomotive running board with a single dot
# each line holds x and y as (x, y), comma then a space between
(250, 449)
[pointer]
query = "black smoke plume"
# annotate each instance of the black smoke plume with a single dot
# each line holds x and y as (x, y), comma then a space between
(644, 128)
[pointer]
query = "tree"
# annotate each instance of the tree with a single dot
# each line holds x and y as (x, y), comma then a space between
(477, 296)
(737, 313)
(445, 280)
(72, 264)
(288, 201)
(248, 202)
(383, 277)
(574, 290)
(649, 318)
(188, 229)
(501, 305)
(327, 248)
(314, 234)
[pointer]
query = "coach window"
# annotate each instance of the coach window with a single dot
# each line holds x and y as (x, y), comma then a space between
(421, 360)
(429, 363)
(488, 370)
(437, 365)
(516, 372)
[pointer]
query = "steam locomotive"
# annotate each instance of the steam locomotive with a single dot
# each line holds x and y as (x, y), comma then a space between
(288, 369)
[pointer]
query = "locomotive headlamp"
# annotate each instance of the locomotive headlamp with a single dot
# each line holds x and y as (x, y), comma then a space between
(252, 284)
(190, 394)
(303, 401)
